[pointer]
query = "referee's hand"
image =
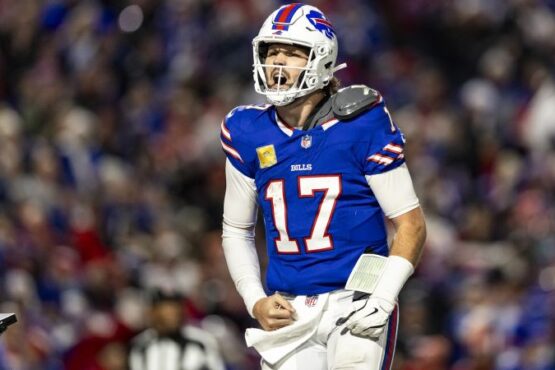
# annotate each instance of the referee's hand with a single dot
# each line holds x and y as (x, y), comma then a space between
(274, 312)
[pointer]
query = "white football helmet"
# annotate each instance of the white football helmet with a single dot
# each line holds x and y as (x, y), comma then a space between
(306, 26)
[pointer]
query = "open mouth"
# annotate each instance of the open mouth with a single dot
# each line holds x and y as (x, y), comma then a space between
(279, 80)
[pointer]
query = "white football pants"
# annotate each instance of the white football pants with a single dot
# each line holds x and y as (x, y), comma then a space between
(327, 349)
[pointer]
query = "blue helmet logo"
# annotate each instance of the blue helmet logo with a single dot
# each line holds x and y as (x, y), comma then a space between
(319, 22)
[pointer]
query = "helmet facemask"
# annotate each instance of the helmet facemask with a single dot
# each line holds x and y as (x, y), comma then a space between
(311, 77)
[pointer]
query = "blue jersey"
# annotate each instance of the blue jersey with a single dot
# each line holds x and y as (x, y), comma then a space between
(319, 213)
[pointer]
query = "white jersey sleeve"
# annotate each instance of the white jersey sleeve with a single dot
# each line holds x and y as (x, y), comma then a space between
(239, 220)
(394, 191)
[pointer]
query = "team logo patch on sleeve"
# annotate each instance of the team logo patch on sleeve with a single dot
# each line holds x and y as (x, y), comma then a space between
(266, 156)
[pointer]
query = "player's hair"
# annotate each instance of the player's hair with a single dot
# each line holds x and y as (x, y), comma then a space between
(333, 86)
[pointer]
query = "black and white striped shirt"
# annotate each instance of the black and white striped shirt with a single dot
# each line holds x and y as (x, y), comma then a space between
(193, 349)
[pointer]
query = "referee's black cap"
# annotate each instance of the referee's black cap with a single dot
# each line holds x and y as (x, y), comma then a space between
(158, 295)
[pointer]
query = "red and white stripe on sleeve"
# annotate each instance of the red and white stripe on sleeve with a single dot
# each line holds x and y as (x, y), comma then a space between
(226, 142)
(389, 153)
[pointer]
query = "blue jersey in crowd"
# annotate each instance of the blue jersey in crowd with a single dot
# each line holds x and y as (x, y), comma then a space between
(319, 212)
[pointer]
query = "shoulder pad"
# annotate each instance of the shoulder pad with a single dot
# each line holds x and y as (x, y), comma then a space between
(350, 101)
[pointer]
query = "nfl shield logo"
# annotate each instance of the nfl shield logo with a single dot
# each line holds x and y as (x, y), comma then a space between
(306, 141)
(311, 301)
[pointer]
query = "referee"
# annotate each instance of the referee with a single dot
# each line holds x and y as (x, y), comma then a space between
(170, 344)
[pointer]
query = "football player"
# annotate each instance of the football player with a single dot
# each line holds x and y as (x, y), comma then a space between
(325, 166)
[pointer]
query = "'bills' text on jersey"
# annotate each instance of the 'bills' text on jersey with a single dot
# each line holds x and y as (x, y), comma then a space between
(319, 212)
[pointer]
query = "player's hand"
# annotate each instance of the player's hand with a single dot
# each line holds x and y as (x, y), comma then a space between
(273, 312)
(367, 318)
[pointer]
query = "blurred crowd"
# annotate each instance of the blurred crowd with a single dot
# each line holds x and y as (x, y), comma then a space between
(112, 179)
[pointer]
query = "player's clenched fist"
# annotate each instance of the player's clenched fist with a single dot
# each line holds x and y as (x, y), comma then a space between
(274, 312)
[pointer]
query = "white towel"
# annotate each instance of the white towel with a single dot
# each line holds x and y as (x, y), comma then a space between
(275, 345)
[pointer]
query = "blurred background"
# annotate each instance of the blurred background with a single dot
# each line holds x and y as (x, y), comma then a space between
(112, 177)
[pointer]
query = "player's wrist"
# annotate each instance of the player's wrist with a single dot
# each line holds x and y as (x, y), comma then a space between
(251, 301)
(256, 306)
(395, 274)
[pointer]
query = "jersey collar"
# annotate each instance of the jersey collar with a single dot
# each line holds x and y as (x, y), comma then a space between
(289, 130)
(283, 126)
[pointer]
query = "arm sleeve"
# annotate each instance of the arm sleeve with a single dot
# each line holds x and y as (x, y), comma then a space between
(239, 220)
(394, 191)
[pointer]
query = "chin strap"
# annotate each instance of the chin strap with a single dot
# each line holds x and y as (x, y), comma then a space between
(339, 67)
